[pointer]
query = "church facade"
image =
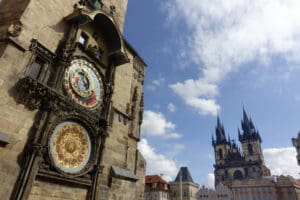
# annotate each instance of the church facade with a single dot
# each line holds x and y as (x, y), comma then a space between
(231, 163)
(71, 102)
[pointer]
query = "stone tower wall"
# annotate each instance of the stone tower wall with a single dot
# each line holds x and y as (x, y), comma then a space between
(44, 20)
(224, 148)
(120, 10)
(257, 152)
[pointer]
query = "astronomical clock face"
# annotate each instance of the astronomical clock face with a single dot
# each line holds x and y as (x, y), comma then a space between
(83, 83)
(70, 147)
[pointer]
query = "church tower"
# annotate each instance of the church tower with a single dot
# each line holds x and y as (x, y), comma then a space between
(231, 163)
(251, 144)
(221, 150)
(250, 140)
(221, 145)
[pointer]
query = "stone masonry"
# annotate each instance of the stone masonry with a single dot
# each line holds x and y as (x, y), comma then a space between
(116, 169)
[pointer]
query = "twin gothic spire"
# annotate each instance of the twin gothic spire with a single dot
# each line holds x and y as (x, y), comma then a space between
(249, 131)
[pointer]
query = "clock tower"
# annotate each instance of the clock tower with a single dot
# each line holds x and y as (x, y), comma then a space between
(71, 88)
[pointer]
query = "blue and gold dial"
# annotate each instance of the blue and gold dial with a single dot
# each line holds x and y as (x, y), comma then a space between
(83, 83)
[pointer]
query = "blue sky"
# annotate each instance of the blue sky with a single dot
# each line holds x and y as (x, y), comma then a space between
(208, 57)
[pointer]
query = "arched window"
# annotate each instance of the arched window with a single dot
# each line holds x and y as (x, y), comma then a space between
(220, 154)
(238, 175)
(250, 149)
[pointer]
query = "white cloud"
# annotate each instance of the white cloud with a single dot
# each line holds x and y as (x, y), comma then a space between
(155, 83)
(210, 180)
(224, 35)
(282, 161)
(171, 107)
(157, 163)
(155, 124)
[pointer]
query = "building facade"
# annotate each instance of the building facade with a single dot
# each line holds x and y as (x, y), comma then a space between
(275, 188)
(71, 102)
(221, 192)
(156, 188)
(233, 164)
(296, 143)
(183, 187)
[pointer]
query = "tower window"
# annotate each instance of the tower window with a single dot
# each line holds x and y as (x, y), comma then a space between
(246, 172)
(250, 149)
(220, 154)
(226, 173)
(238, 175)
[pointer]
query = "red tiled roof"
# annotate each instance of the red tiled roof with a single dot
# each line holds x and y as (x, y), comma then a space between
(154, 179)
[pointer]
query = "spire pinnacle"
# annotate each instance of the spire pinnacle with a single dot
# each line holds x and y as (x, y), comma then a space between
(249, 130)
(220, 132)
(245, 116)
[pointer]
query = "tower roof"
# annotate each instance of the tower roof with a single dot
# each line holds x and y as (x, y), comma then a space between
(185, 175)
(220, 133)
(249, 132)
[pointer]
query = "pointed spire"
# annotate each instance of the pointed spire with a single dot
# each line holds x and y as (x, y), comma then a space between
(247, 124)
(220, 132)
(251, 124)
(228, 139)
(239, 134)
(249, 130)
(245, 116)
(218, 121)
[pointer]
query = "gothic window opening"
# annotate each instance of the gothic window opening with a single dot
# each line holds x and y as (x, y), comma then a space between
(238, 175)
(220, 154)
(250, 149)
(226, 173)
(246, 171)
(38, 70)
(40, 63)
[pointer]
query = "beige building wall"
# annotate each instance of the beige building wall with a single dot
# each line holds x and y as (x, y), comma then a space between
(120, 10)
(267, 188)
(15, 121)
(189, 190)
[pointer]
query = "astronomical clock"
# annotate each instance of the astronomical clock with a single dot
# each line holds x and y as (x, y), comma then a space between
(72, 89)
(70, 147)
(83, 84)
